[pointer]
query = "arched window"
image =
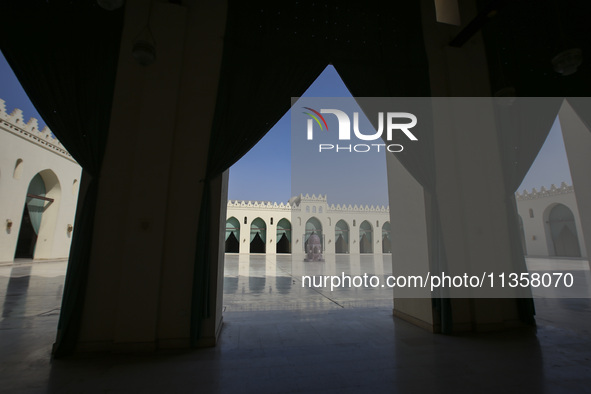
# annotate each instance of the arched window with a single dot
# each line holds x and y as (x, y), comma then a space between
(245, 220)
(531, 213)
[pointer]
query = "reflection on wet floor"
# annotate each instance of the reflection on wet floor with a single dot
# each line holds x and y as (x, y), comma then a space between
(251, 282)
(314, 344)
(30, 289)
(274, 282)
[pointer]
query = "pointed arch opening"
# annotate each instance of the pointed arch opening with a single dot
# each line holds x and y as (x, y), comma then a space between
(561, 232)
(39, 218)
(522, 234)
(341, 235)
(258, 236)
(232, 235)
(313, 226)
(386, 238)
(283, 236)
(365, 237)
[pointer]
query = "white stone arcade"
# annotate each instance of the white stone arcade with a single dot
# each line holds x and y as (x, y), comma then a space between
(275, 228)
(39, 183)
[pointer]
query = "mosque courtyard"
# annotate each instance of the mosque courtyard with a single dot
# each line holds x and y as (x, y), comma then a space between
(279, 336)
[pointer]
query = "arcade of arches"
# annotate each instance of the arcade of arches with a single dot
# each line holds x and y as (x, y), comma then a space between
(549, 225)
(213, 60)
(285, 228)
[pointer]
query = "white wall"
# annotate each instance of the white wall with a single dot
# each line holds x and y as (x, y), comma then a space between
(38, 152)
(537, 240)
(577, 142)
(299, 214)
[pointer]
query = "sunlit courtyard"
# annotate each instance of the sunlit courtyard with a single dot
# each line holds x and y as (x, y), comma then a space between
(279, 334)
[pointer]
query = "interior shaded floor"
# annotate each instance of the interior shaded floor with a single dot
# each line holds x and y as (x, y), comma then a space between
(307, 350)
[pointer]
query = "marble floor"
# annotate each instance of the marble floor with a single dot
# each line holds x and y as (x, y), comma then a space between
(274, 282)
(281, 338)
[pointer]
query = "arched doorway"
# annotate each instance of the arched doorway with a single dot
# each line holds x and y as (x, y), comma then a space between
(563, 232)
(39, 216)
(386, 240)
(232, 235)
(365, 237)
(522, 233)
(313, 226)
(258, 236)
(283, 236)
(341, 235)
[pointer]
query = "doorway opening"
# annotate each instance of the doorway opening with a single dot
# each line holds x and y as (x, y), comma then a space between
(271, 219)
(39, 218)
(342, 237)
(283, 237)
(386, 238)
(232, 236)
(258, 236)
(549, 221)
(561, 231)
(365, 237)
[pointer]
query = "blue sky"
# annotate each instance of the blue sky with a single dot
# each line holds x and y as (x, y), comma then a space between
(256, 178)
(265, 173)
(551, 164)
(344, 177)
(14, 95)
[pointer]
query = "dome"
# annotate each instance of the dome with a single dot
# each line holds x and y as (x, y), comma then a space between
(314, 239)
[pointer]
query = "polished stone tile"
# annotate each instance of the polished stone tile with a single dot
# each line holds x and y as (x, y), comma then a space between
(313, 345)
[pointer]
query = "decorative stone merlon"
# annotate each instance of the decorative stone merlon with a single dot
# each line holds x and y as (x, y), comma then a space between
(307, 198)
(297, 207)
(553, 191)
(14, 123)
(259, 205)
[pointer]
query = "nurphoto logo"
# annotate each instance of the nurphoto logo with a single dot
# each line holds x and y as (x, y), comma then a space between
(344, 132)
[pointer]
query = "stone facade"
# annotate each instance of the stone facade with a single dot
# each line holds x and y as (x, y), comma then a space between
(551, 224)
(36, 174)
(541, 236)
(341, 228)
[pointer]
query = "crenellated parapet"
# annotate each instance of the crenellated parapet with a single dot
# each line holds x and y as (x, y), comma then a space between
(14, 123)
(313, 198)
(543, 192)
(296, 205)
(259, 205)
(355, 208)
